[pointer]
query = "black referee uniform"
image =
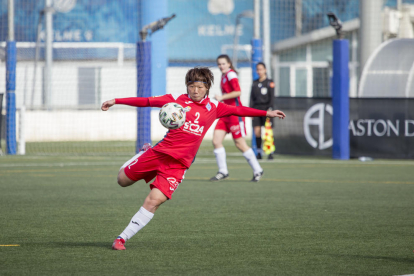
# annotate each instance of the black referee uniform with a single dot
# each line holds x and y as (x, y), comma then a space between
(262, 97)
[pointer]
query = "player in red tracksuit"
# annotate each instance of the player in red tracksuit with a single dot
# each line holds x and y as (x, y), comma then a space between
(169, 159)
(235, 125)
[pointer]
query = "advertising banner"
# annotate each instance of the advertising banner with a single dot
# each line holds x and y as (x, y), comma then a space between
(378, 128)
(199, 32)
(76, 20)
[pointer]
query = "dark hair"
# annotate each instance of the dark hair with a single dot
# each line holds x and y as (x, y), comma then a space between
(261, 63)
(228, 60)
(201, 74)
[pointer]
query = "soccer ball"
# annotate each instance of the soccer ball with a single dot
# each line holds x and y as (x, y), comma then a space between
(172, 115)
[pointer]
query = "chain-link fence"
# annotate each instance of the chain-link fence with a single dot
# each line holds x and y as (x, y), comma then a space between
(94, 45)
(302, 41)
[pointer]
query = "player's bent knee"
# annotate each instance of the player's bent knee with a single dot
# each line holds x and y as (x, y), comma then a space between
(154, 200)
(152, 205)
(217, 145)
(123, 180)
(241, 144)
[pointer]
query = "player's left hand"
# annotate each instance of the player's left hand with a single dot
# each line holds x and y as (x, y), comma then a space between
(276, 113)
(106, 105)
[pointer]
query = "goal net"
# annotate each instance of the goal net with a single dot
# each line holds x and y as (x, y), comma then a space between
(94, 59)
(68, 120)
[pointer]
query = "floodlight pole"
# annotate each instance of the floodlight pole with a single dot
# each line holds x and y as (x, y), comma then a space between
(256, 55)
(298, 17)
(340, 92)
(47, 100)
(256, 33)
(236, 41)
(247, 13)
(256, 41)
(370, 32)
(11, 146)
(266, 36)
(37, 53)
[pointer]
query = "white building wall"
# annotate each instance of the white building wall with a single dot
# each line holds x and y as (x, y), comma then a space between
(118, 82)
(64, 86)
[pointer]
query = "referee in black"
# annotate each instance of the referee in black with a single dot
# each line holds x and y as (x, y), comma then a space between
(261, 97)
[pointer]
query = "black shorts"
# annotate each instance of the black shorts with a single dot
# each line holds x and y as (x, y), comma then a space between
(260, 121)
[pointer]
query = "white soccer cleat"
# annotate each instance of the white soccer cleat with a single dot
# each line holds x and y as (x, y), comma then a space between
(219, 176)
(257, 176)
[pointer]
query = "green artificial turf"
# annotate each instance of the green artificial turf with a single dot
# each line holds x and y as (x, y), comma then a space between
(307, 216)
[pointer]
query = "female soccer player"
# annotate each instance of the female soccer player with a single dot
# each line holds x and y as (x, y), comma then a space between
(170, 158)
(261, 97)
(235, 125)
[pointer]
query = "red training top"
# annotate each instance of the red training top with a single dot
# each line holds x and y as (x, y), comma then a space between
(229, 83)
(183, 143)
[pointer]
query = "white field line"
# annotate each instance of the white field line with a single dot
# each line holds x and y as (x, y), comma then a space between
(213, 161)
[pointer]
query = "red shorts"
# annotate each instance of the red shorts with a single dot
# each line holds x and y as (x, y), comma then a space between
(234, 125)
(167, 171)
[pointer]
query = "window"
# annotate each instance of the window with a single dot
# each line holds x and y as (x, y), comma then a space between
(89, 86)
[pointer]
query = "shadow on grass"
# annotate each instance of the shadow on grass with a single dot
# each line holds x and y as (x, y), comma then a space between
(407, 260)
(137, 246)
(206, 179)
(107, 245)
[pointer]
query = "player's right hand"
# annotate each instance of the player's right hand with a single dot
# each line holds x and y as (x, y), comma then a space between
(106, 105)
(276, 113)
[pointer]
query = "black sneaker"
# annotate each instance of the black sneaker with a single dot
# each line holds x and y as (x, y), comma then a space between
(259, 156)
(219, 176)
(256, 177)
(270, 157)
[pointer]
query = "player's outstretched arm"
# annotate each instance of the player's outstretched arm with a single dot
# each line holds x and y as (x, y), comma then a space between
(139, 101)
(224, 110)
(106, 105)
(134, 101)
(275, 113)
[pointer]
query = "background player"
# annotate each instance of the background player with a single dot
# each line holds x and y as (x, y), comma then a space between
(169, 159)
(261, 97)
(235, 125)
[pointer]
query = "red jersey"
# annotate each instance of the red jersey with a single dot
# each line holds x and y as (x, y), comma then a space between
(183, 143)
(229, 83)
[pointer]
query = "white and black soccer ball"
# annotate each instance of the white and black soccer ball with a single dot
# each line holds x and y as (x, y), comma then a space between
(172, 115)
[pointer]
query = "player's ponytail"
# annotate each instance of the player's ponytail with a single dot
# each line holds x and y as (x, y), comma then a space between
(200, 74)
(227, 58)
